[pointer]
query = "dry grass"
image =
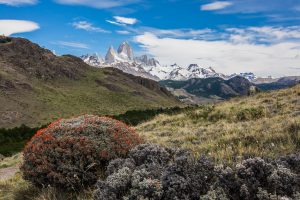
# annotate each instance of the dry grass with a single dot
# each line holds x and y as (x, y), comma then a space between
(267, 124)
(11, 161)
(16, 188)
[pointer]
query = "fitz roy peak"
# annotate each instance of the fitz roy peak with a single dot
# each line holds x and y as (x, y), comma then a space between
(125, 51)
(150, 68)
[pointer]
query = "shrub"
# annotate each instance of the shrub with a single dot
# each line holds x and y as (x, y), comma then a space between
(291, 162)
(215, 194)
(72, 153)
(150, 154)
(250, 114)
(253, 174)
(187, 178)
(157, 173)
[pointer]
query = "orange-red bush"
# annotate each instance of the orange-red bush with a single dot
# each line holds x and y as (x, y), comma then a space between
(72, 153)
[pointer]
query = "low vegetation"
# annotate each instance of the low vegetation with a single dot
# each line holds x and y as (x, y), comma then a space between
(73, 153)
(157, 173)
(266, 124)
(13, 140)
(135, 117)
(242, 149)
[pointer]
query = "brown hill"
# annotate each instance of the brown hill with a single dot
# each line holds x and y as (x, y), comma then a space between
(37, 87)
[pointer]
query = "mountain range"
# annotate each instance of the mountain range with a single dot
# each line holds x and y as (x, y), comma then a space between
(37, 87)
(190, 84)
(146, 66)
(209, 89)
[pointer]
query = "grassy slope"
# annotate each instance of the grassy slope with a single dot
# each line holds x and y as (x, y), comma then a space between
(267, 124)
(63, 97)
(37, 87)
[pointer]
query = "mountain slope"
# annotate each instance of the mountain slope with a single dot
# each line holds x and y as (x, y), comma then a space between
(281, 83)
(37, 87)
(212, 87)
(266, 124)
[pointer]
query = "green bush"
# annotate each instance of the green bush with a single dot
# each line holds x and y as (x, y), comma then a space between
(72, 153)
(135, 117)
(13, 140)
(250, 114)
(201, 114)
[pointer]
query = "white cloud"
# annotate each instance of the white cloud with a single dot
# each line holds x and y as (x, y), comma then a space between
(123, 32)
(122, 21)
(177, 33)
(73, 44)
(125, 20)
(276, 59)
(18, 2)
(84, 25)
(9, 27)
(101, 4)
(218, 5)
(115, 23)
(265, 34)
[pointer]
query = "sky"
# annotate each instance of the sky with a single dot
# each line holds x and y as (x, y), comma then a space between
(232, 36)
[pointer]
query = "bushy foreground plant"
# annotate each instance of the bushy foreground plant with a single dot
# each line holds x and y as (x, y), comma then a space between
(72, 153)
(158, 173)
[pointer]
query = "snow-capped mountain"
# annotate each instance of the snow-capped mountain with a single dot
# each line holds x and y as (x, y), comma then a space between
(247, 75)
(125, 51)
(192, 71)
(94, 59)
(148, 67)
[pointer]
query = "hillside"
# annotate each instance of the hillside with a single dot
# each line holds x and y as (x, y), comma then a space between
(212, 88)
(37, 87)
(267, 124)
(281, 83)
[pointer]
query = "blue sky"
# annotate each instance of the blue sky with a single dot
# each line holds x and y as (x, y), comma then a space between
(230, 35)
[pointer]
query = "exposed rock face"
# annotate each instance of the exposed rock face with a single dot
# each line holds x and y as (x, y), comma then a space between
(94, 60)
(111, 56)
(125, 51)
(22, 55)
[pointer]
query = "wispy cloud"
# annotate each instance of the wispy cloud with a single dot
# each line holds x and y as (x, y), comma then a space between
(73, 44)
(256, 49)
(101, 4)
(265, 34)
(262, 35)
(123, 32)
(18, 2)
(87, 26)
(177, 33)
(218, 5)
(125, 20)
(122, 21)
(256, 6)
(9, 27)
(115, 23)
